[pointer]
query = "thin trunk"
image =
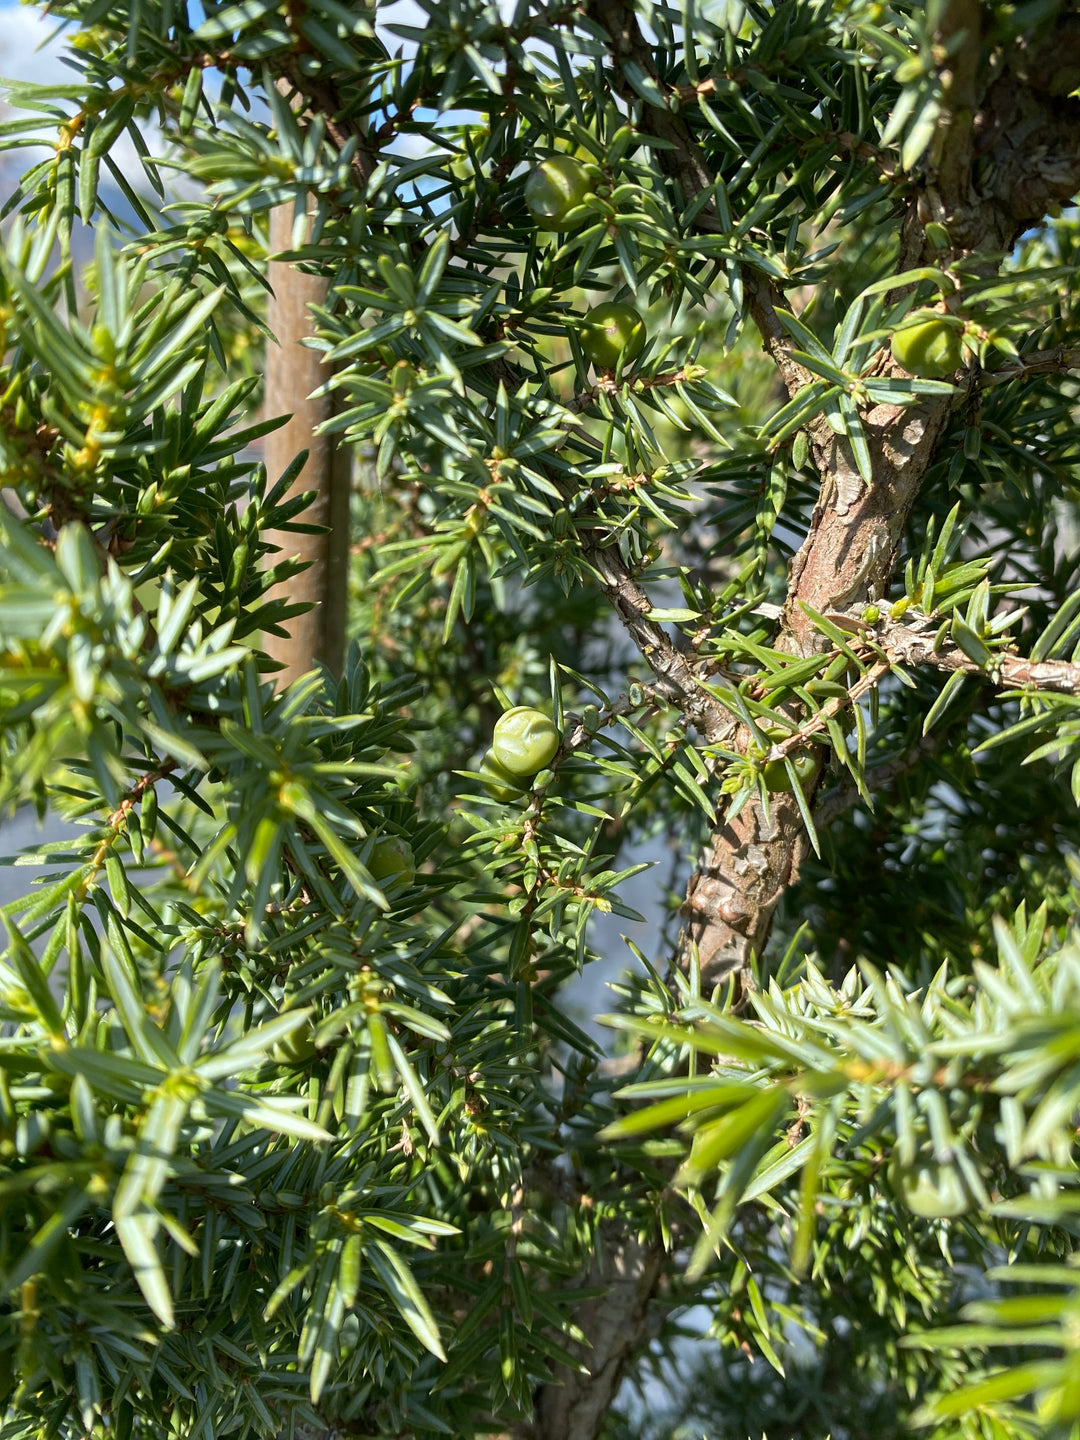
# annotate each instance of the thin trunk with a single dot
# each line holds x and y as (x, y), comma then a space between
(293, 372)
(575, 1405)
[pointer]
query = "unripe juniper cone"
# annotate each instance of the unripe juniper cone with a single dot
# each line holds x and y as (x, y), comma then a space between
(498, 782)
(554, 189)
(776, 777)
(930, 349)
(525, 740)
(392, 859)
(296, 1047)
(930, 1190)
(612, 332)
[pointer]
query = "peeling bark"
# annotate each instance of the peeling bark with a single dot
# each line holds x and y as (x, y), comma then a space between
(853, 542)
(732, 894)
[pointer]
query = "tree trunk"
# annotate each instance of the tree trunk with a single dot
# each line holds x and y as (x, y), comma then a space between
(575, 1405)
(293, 372)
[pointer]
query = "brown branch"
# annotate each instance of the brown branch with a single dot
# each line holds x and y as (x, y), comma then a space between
(1038, 362)
(961, 33)
(608, 385)
(856, 530)
(676, 678)
(847, 557)
(1019, 155)
(917, 644)
(818, 721)
(321, 97)
(763, 297)
(294, 376)
(117, 819)
(627, 1269)
(139, 789)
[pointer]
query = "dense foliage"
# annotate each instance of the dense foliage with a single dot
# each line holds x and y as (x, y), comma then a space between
(751, 488)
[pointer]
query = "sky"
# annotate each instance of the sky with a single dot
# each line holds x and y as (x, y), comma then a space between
(22, 31)
(30, 50)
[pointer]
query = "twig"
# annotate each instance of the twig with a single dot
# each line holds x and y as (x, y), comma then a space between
(918, 644)
(608, 385)
(676, 679)
(1039, 362)
(820, 718)
(118, 818)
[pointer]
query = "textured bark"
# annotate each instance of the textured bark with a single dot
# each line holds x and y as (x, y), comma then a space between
(293, 372)
(855, 533)
(677, 679)
(1005, 151)
(1015, 154)
(916, 644)
(576, 1405)
(732, 894)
